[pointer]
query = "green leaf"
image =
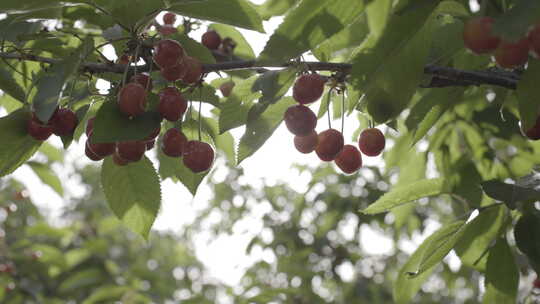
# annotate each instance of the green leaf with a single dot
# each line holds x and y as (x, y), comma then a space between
(112, 125)
(406, 193)
(235, 109)
(206, 93)
(390, 68)
(19, 146)
(260, 129)
(195, 48)
(502, 275)
(309, 24)
(527, 92)
(242, 49)
(240, 13)
(47, 176)
(406, 286)
(10, 86)
(107, 292)
(478, 235)
(12, 30)
(272, 8)
(133, 193)
(527, 235)
(50, 84)
(53, 154)
(81, 280)
(509, 193)
(274, 84)
(514, 24)
(429, 109)
(7, 6)
(88, 113)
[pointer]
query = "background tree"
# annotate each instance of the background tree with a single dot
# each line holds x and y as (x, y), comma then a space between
(460, 128)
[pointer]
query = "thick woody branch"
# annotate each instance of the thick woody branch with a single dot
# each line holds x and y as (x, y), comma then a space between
(442, 76)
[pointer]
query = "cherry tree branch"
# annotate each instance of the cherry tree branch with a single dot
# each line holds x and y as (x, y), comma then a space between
(442, 76)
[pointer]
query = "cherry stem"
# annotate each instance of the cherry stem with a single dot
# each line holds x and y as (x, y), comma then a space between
(136, 56)
(200, 121)
(342, 111)
(328, 98)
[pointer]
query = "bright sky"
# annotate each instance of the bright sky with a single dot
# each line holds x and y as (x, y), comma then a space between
(271, 163)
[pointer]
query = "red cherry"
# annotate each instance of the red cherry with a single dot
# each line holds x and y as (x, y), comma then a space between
(167, 30)
(300, 120)
(142, 79)
(349, 160)
(534, 132)
(124, 59)
(37, 129)
(63, 122)
(226, 88)
(194, 70)
(90, 154)
(168, 52)
(198, 156)
(477, 35)
(308, 88)
(330, 144)
(90, 126)
(119, 161)
(132, 99)
(371, 142)
(211, 40)
(174, 73)
(172, 104)
(174, 142)
(101, 149)
(131, 151)
(536, 283)
(306, 144)
(534, 40)
(169, 18)
(512, 54)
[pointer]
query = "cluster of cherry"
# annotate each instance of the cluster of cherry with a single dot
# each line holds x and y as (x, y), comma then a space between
(479, 38)
(329, 144)
(62, 123)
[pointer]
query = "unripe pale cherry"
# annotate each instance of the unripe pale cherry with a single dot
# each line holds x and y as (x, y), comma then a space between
(512, 54)
(194, 70)
(172, 104)
(198, 156)
(168, 52)
(173, 143)
(371, 142)
(330, 144)
(308, 88)
(132, 99)
(63, 122)
(477, 35)
(131, 151)
(300, 120)
(211, 40)
(306, 144)
(349, 160)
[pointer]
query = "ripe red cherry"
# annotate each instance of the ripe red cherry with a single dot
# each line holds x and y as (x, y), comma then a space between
(63, 122)
(300, 120)
(534, 132)
(172, 104)
(90, 154)
(226, 88)
(534, 40)
(371, 142)
(349, 160)
(142, 79)
(512, 54)
(119, 161)
(167, 30)
(37, 129)
(101, 149)
(536, 283)
(194, 70)
(90, 126)
(169, 18)
(168, 52)
(306, 144)
(211, 40)
(173, 143)
(477, 35)
(308, 88)
(131, 151)
(124, 59)
(198, 156)
(330, 144)
(174, 72)
(132, 99)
